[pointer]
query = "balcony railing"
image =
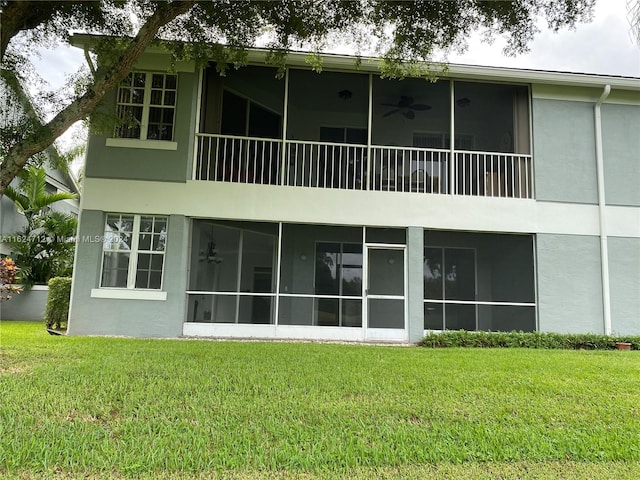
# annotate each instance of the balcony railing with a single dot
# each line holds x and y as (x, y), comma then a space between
(238, 159)
(491, 174)
(226, 158)
(325, 165)
(409, 169)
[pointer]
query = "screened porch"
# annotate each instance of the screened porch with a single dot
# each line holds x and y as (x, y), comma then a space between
(355, 131)
(257, 279)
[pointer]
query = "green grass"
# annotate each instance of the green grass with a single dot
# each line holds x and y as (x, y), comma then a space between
(125, 408)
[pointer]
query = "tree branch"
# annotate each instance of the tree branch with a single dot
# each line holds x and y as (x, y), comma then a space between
(80, 108)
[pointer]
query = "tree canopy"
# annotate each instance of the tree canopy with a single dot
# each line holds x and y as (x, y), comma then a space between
(397, 31)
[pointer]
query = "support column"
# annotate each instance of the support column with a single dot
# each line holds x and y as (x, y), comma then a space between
(415, 290)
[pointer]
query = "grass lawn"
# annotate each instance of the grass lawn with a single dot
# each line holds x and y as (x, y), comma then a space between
(126, 408)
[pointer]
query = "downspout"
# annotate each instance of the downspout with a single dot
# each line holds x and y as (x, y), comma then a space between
(604, 249)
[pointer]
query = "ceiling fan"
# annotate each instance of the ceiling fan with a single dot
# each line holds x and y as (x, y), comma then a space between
(407, 107)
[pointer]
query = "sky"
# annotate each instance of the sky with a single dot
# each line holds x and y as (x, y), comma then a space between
(603, 46)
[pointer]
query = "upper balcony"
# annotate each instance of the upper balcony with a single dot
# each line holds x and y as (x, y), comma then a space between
(356, 131)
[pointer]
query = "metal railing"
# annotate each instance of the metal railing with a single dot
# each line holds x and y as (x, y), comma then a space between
(325, 165)
(491, 174)
(227, 158)
(409, 169)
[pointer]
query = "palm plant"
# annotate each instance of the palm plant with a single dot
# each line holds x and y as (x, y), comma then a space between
(43, 248)
(31, 197)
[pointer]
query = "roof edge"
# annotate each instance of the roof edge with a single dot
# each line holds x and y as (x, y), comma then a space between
(476, 72)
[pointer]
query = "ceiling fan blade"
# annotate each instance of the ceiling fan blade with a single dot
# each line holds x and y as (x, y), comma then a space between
(391, 112)
(420, 107)
(410, 114)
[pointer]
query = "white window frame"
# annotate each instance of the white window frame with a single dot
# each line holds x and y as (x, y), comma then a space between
(146, 107)
(134, 251)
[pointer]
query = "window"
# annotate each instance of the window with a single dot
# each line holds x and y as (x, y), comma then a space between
(133, 251)
(244, 117)
(344, 135)
(146, 106)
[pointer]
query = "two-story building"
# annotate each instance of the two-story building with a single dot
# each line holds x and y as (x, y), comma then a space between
(344, 206)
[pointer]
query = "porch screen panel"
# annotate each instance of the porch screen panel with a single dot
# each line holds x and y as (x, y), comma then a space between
(253, 102)
(479, 282)
(386, 313)
(510, 258)
(404, 109)
(339, 274)
(321, 276)
(459, 274)
(492, 117)
(386, 272)
(220, 254)
(433, 316)
(296, 311)
(449, 288)
(232, 272)
(433, 264)
(332, 99)
(234, 114)
(507, 318)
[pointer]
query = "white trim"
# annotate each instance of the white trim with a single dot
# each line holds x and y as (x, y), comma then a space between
(623, 221)
(314, 295)
(588, 94)
(480, 302)
(128, 294)
(133, 252)
(388, 334)
(138, 143)
(231, 294)
(296, 332)
(41, 288)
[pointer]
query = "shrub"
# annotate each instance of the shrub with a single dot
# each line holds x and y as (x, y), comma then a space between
(8, 271)
(57, 309)
(581, 341)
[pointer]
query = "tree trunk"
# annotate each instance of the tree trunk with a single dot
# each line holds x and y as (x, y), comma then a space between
(82, 106)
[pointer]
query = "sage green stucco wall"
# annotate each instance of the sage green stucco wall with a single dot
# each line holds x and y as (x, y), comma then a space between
(624, 282)
(136, 318)
(149, 164)
(415, 293)
(621, 153)
(564, 151)
(569, 284)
